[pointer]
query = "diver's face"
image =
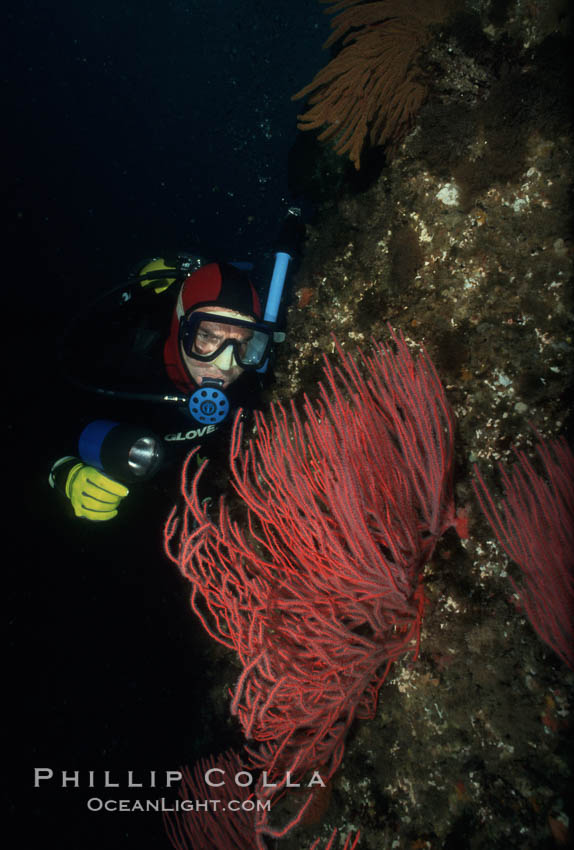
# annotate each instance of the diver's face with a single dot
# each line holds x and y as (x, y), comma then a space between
(209, 336)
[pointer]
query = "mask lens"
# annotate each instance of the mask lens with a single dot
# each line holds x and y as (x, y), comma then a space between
(254, 350)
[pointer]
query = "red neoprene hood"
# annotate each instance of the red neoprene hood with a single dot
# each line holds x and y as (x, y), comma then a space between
(214, 285)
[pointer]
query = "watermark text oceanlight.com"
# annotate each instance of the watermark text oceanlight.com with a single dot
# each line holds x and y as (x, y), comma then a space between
(97, 804)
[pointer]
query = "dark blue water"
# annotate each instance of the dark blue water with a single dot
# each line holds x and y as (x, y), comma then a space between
(133, 128)
(158, 124)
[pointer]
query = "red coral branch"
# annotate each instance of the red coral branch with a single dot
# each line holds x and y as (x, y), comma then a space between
(350, 843)
(535, 526)
(318, 591)
(205, 827)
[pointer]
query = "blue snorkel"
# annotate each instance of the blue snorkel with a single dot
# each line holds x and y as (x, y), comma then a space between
(282, 260)
(276, 286)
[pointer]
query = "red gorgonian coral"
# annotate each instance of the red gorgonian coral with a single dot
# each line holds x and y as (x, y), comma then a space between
(535, 526)
(318, 589)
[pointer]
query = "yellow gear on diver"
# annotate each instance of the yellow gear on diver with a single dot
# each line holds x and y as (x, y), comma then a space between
(93, 495)
(160, 283)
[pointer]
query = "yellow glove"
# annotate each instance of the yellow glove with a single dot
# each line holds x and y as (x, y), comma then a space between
(161, 283)
(93, 495)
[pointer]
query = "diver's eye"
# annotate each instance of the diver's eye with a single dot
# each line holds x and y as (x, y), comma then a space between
(205, 340)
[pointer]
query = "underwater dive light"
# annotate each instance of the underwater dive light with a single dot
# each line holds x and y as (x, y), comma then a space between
(127, 453)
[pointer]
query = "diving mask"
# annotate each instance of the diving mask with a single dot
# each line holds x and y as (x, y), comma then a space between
(221, 337)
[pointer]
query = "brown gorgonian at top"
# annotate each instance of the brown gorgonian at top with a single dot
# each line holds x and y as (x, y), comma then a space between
(373, 87)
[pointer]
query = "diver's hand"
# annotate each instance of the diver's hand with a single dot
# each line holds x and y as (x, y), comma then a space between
(93, 495)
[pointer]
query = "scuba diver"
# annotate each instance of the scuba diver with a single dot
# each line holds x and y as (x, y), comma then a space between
(190, 342)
